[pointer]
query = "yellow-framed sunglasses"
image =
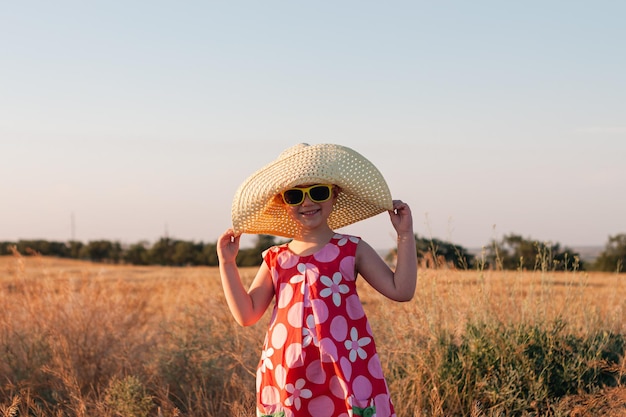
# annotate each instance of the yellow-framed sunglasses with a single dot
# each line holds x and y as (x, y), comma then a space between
(317, 193)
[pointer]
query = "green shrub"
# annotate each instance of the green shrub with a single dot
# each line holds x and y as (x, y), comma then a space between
(513, 370)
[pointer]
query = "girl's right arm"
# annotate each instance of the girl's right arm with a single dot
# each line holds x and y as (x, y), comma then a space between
(247, 307)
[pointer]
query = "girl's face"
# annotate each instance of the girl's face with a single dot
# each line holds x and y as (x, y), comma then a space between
(310, 204)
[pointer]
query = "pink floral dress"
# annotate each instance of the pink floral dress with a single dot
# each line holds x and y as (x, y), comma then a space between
(319, 357)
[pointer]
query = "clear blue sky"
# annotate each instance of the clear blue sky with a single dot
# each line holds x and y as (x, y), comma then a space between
(139, 118)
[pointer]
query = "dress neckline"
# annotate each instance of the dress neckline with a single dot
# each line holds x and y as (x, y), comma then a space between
(315, 252)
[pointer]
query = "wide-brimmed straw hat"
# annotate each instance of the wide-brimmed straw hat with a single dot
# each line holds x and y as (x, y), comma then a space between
(258, 209)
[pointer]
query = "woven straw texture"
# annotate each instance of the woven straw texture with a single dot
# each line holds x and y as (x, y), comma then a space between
(258, 208)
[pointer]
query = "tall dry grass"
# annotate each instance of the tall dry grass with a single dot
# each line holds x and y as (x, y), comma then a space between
(82, 339)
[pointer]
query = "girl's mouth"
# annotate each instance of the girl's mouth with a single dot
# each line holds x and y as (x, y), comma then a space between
(309, 212)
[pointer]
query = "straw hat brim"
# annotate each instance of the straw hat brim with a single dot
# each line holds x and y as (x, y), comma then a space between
(258, 209)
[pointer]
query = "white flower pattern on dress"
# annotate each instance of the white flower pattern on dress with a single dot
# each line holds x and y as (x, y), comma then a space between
(354, 345)
(299, 279)
(309, 334)
(297, 391)
(266, 359)
(335, 288)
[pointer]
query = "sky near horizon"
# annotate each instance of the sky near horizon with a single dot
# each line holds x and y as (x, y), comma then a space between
(131, 120)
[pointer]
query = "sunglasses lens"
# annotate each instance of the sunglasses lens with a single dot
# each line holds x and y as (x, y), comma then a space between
(319, 193)
(293, 196)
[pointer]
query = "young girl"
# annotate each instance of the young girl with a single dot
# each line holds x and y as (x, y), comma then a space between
(319, 357)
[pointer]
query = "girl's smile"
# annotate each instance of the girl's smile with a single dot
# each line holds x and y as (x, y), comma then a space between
(309, 211)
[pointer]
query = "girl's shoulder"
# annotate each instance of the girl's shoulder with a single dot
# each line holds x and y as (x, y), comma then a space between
(343, 245)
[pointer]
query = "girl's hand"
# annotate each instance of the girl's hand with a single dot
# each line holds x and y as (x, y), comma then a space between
(228, 246)
(401, 218)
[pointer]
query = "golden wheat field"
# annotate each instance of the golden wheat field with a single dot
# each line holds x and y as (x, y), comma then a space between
(84, 339)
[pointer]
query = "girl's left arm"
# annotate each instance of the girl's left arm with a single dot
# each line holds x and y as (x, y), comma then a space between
(398, 285)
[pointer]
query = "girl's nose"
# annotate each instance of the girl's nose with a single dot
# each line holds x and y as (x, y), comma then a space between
(306, 200)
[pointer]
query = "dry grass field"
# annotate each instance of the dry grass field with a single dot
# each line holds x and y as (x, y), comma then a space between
(83, 339)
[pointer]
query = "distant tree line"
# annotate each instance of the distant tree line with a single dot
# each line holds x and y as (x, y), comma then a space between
(166, 251)
(516, 252)
(512, 252)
